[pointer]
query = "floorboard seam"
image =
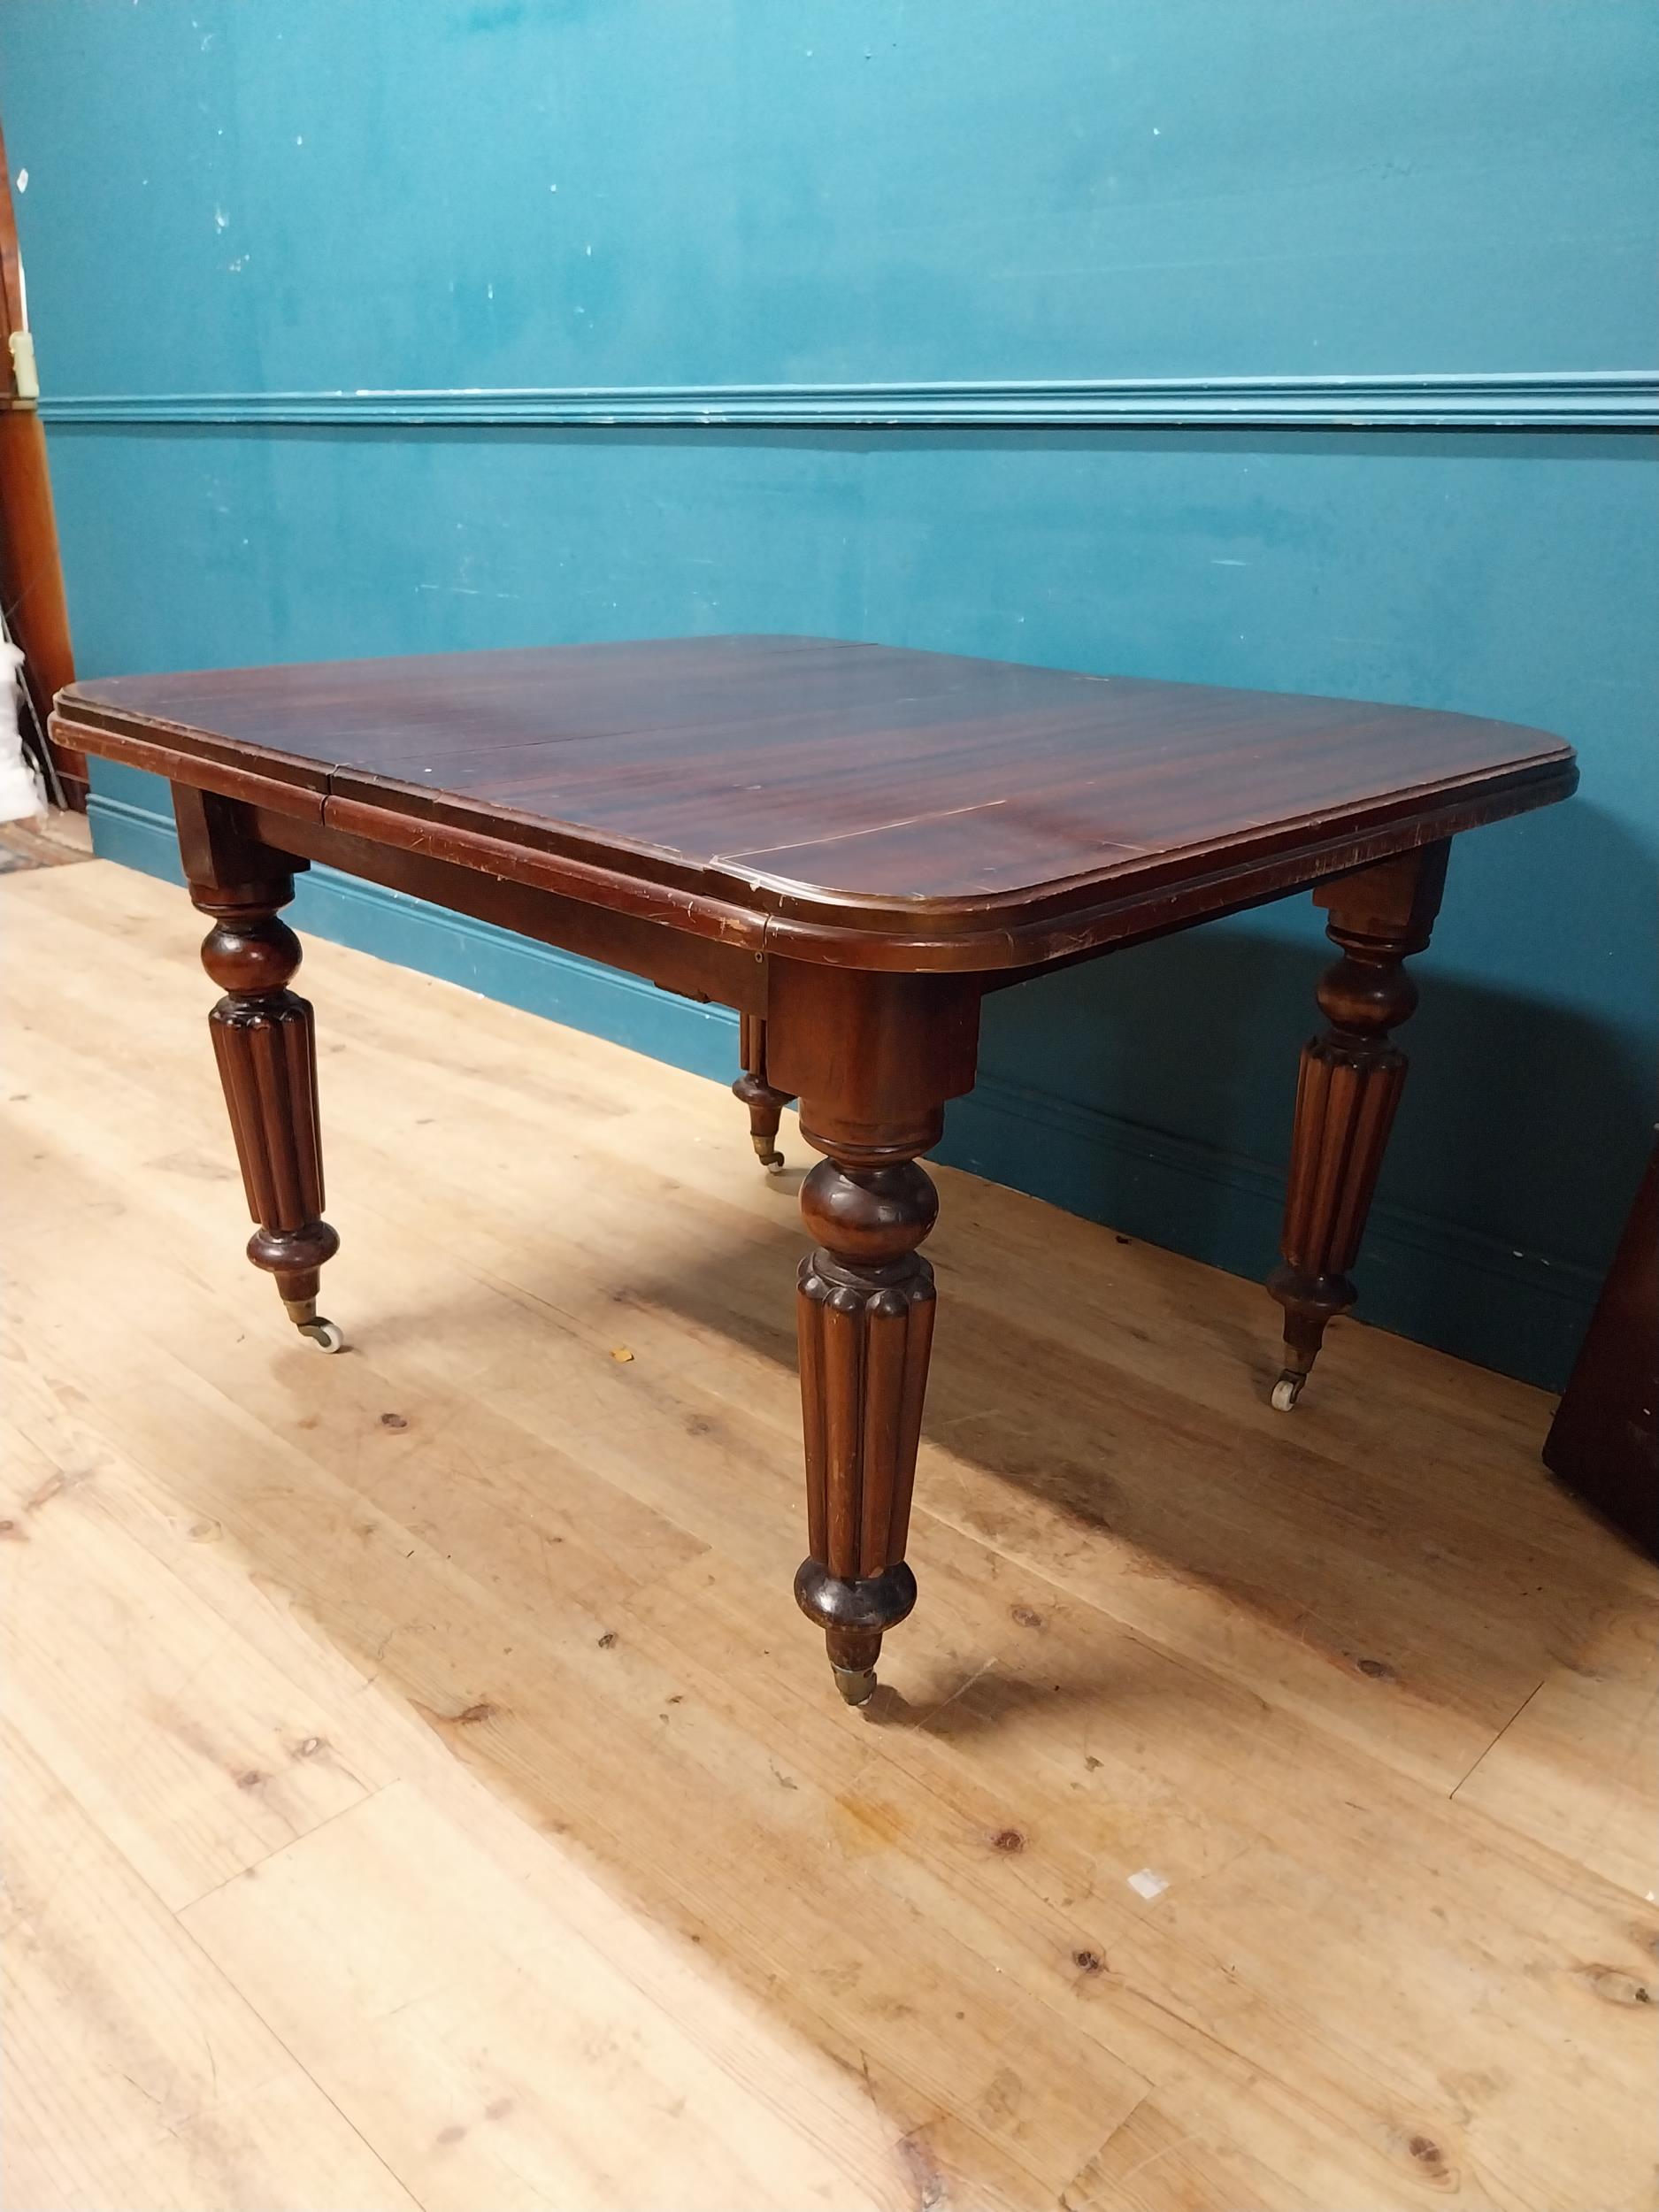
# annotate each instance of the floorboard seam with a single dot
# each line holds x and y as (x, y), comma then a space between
(1502, 1733)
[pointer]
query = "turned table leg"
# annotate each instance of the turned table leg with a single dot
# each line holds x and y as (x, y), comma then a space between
(265, 1046)
(1351, 1077)
(872, 1058)
(264, 1043)
(765, 1105)
(865, 1311)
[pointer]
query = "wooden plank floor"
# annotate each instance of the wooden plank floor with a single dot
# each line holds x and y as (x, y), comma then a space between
(422, 1790)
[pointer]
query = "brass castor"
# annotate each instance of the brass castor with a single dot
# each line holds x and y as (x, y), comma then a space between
(856, 1685)
(765, 1108)
(304, 1314)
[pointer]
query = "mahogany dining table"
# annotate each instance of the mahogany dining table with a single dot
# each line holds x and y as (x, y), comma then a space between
(850, 844)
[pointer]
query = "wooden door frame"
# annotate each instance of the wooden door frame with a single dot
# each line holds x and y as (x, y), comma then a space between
(31, 571)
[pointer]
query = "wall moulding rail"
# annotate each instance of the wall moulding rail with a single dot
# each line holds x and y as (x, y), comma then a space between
(1611, 399)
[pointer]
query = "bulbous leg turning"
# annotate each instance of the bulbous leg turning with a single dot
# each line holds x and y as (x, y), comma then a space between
(264, 1044)
(865, 1315)
(854, 1616)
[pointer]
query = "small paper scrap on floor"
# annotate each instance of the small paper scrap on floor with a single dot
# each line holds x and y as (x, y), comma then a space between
(620, 1351)
(1147, 1883)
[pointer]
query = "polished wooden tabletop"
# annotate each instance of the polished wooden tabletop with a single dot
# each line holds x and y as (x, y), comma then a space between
(859, 787)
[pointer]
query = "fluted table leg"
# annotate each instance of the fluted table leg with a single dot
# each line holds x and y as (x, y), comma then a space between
(1351, 1077)
(865, 1319)
(264, 1043)
(872, 1058)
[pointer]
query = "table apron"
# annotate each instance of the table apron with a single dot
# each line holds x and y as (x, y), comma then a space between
(675, 960)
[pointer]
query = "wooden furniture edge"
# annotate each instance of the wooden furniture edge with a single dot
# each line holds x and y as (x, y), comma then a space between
(1061, 923)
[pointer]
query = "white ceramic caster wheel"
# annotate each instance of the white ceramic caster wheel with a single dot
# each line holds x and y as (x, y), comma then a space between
(774, 1165)
(1287, 1390)
(329, 1334)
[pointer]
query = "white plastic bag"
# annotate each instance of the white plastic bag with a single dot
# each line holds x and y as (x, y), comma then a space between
(20, 791)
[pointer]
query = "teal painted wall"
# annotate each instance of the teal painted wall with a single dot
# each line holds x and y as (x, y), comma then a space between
(226, 202)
